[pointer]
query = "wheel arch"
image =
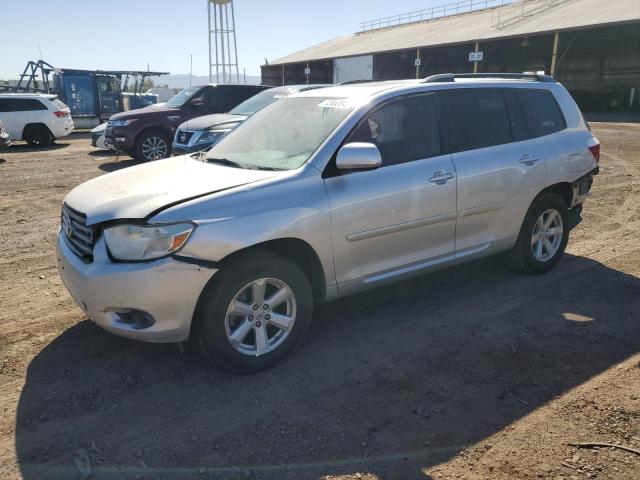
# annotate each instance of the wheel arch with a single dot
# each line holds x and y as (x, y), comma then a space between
(564, 189)
(296, 250)
(155, 128)
(29, 126)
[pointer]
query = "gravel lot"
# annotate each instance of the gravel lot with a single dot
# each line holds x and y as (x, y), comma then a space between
(476, 372)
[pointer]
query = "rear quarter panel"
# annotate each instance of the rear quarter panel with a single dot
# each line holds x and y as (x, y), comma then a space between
(567, 153)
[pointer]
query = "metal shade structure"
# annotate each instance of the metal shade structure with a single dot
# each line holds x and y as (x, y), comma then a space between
(223, 51)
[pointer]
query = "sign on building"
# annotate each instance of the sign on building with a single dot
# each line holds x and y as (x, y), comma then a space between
(475, 56)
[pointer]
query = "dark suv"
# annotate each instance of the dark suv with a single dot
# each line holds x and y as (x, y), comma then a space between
(146, 133)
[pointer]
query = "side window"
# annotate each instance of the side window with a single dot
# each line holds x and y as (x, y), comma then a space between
(21, 105)
(541, 111)
(236, 95)
(403, 130)
(6, 105)
(33, 104)
(516, 117)
(213, 99)
(477, 118)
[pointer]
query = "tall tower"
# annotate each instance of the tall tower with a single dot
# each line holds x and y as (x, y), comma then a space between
(223, 51)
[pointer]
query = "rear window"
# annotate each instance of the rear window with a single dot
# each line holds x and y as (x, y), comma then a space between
(61, 105)
(542, 113)
(477, 118)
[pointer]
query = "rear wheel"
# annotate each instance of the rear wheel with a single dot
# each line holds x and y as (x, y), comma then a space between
(256, 310)
(38, 136)
(152, 145)
(543, 236)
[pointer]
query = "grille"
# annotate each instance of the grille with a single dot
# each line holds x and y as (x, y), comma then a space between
(183, 137)
(79, 237)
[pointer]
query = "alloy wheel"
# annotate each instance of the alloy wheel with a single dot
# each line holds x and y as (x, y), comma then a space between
(154, 148)
(260, 316)
(547, 235)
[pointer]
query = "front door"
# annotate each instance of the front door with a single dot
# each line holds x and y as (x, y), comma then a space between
(397, 218)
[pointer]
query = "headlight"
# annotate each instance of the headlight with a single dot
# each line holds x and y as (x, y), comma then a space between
(212, 136)
(146, 242)
(121, 123)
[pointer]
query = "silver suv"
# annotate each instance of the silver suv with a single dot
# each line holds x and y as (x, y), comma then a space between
(321, 195)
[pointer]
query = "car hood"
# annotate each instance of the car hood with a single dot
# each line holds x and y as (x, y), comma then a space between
(145, 190)
(209, 121)
(144, 112)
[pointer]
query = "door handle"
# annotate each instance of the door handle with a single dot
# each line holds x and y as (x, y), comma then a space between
(529, 160)
(440, 177)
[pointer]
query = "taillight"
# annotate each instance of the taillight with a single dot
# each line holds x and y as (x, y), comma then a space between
(61, 113)
(595, 150)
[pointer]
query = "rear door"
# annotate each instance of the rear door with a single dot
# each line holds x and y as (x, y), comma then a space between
(13, 119)
(16, 113)
(392, 220)
(500, 167)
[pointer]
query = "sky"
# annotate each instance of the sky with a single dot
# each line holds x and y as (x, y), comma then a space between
(126, 34)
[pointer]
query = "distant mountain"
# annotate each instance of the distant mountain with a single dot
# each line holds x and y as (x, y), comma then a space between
(182, 80)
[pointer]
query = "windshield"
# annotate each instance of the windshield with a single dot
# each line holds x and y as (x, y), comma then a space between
(283, 135)
(257, 102)
(181, 98)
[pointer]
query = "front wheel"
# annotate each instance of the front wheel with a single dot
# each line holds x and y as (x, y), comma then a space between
(543, 236)
(254, 312)
(152, 146)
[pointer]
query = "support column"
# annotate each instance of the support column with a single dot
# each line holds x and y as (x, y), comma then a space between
(417, 66)
(282, 74)
(554, 55)
(475, 64)
(306, 74)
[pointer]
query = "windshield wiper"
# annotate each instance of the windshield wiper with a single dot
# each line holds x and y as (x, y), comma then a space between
(230, 163)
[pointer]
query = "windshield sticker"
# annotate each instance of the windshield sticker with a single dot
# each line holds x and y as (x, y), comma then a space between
(343, 103)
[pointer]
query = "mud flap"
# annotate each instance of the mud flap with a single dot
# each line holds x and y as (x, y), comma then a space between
(575, 216)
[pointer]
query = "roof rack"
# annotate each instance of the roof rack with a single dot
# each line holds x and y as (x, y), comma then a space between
(351, 82)
(451, 77)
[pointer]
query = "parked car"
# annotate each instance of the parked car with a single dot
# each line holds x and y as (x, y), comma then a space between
(98, 132)
(98, 135)
(37, 118)
(321, 195)
(201, 133)
(146, 133)
(5, 139)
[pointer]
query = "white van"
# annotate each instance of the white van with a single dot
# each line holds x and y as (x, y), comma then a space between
(37, 118)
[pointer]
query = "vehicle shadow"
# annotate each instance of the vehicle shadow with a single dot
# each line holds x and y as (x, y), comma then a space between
(389, 382)
(26, 148)
(105, 153)
(118, 164)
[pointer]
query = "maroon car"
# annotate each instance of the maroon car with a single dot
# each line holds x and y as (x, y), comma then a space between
(146, 133)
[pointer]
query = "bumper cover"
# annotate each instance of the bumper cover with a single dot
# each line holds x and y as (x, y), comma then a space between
(166, 289)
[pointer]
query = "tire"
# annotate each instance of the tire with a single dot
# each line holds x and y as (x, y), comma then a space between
(152, 145)
(215, 328)
(38, 136)
(534, 255)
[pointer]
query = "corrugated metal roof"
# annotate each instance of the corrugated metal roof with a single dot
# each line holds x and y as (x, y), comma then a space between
(471, 27)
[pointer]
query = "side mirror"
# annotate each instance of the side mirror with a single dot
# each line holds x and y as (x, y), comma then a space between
(197, 102)
(358, 155)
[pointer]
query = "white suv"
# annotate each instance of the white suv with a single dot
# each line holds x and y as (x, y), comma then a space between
(36, 118)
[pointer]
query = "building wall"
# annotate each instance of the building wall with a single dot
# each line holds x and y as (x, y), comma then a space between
(600, 66)
(321, 72)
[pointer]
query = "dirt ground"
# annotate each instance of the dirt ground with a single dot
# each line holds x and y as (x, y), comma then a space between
(472, 373)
